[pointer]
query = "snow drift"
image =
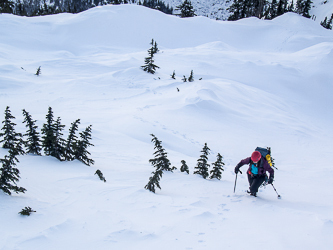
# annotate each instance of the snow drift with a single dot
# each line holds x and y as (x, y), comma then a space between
(263, 83)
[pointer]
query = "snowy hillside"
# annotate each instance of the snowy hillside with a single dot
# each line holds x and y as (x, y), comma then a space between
(218, 9)
(215, 9)
(263, 83)
(321, 9)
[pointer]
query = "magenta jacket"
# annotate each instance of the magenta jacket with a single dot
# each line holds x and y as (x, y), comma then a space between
(263, 166)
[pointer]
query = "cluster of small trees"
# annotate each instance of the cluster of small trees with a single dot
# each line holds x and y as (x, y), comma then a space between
(157, 5)
(202, 167)
(327, 23)
(162, 163)
(184, 79)
(51, 142)
(267, 10)
(150, 66)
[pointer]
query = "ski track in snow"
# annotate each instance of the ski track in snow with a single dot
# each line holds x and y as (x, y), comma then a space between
(264, 83)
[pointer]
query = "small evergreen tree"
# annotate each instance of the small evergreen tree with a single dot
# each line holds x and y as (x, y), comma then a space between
(9, 173)
(173, 76)
(27, 211)
(218, 168)
(184, 167)
(58, 142)
(161, 161)
(154, 180)
(202, 165)
(149, 66)
(327, 24)
(39, 71)
(184, 78)
(48, 133)
(186, 9)
(191, 78)
(32, 144)
(81, 153)
(71, 141)
(10, 137)
(100, 175)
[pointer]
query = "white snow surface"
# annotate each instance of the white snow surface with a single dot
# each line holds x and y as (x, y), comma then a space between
(264, 83)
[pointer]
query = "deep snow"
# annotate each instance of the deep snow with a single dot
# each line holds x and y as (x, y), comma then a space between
(264, 83)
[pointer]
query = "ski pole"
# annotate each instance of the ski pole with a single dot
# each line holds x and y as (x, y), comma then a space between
(236, 181)
(279, 196)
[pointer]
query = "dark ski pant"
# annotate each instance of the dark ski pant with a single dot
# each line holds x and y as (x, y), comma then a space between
(255, 182)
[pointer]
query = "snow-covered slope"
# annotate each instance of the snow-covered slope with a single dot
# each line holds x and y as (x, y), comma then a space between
(218, 9)
(264, 83)
(215, 9)
(321, 9)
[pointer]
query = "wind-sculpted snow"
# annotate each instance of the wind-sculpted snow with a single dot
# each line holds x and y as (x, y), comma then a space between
(256, 83)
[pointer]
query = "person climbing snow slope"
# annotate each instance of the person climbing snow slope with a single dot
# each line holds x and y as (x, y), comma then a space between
(256, 173)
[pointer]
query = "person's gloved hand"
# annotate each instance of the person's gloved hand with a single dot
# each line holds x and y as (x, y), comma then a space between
(270, 180)
(236, 170)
